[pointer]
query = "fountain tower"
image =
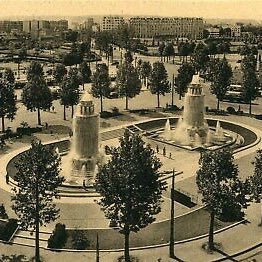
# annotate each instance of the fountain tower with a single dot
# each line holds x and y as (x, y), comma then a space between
(192, 129)
(85, 144)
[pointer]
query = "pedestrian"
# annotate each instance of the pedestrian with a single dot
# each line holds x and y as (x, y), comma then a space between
(157, 149)
(170, 155)
(7, 178)
(164, 151)
(70, 133)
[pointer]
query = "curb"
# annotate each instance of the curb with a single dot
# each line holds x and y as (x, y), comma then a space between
(136, 248)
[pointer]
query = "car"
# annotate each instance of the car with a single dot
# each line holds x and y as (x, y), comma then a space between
(234, 96)
(115, 63)
(113, 95)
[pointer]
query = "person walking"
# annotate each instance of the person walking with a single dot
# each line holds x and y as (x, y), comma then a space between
(157, 149)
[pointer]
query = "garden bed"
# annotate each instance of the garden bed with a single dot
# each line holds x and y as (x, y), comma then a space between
(193, 224)
(7, 229)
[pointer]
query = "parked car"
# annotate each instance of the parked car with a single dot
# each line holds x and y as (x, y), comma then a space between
(113, 95)
(115, 63)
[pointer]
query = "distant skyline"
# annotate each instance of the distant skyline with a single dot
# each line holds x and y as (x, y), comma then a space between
(225, 9)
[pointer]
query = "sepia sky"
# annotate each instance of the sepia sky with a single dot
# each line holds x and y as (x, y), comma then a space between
(245, 9)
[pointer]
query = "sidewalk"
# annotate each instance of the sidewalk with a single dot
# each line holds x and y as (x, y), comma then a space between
(233, 241)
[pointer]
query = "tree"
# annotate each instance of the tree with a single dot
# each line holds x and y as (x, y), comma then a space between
(128, 57)
(256, 181)
(182, 50)
(9, 76)
(145, 71)
(124, 34)
(71, 35)
(222, 191)
(101, 83)
(127, 81)
(85, 47)
(139, 67)
(184, 77)
(7, 102)
(130, 187)
(85, 72)
(212, 48)
(70, 91)
(36, 95)
(161, 49)
(37, 181)
(158, 82)
(221, 79)
(72, 58)
(103, 39)
(22, 53)
(168, 51)
(35, 70)
(250, 80)
(59, 73)
(200, 57)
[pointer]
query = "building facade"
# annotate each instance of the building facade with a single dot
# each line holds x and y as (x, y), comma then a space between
(177, 27)
(8, 26)
(35, 25)
(235, 30)
(111, 22)
(213, 32)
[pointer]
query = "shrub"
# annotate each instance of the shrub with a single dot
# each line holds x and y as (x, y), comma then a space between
(106, 114)
(231, 110)
(259, 117)
(171, 108)
(107, 150)
(231, 213)
(80, 242)
(132, 259)
(58, 237)
(3, 212)
(115, 111)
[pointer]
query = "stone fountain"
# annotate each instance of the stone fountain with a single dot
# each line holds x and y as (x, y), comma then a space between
(192, 129)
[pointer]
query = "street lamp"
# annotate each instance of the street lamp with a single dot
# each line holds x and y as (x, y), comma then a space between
(172, 219)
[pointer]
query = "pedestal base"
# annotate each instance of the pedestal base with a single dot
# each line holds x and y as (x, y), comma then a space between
(83, 171)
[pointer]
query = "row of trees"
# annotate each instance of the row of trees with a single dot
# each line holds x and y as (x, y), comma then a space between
(129, 80)
(219, 73)
(131, 192)
(36, 95)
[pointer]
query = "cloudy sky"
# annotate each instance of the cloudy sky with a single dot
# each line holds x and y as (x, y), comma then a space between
(246, 9)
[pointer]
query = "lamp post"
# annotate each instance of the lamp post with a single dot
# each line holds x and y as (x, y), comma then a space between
(172, 89)
(97, 248)
(172, 219)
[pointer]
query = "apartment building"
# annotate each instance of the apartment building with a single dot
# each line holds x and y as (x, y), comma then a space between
(235, 30)
(35, 25)
(111, 22)
(9, 26)
(149, 27)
